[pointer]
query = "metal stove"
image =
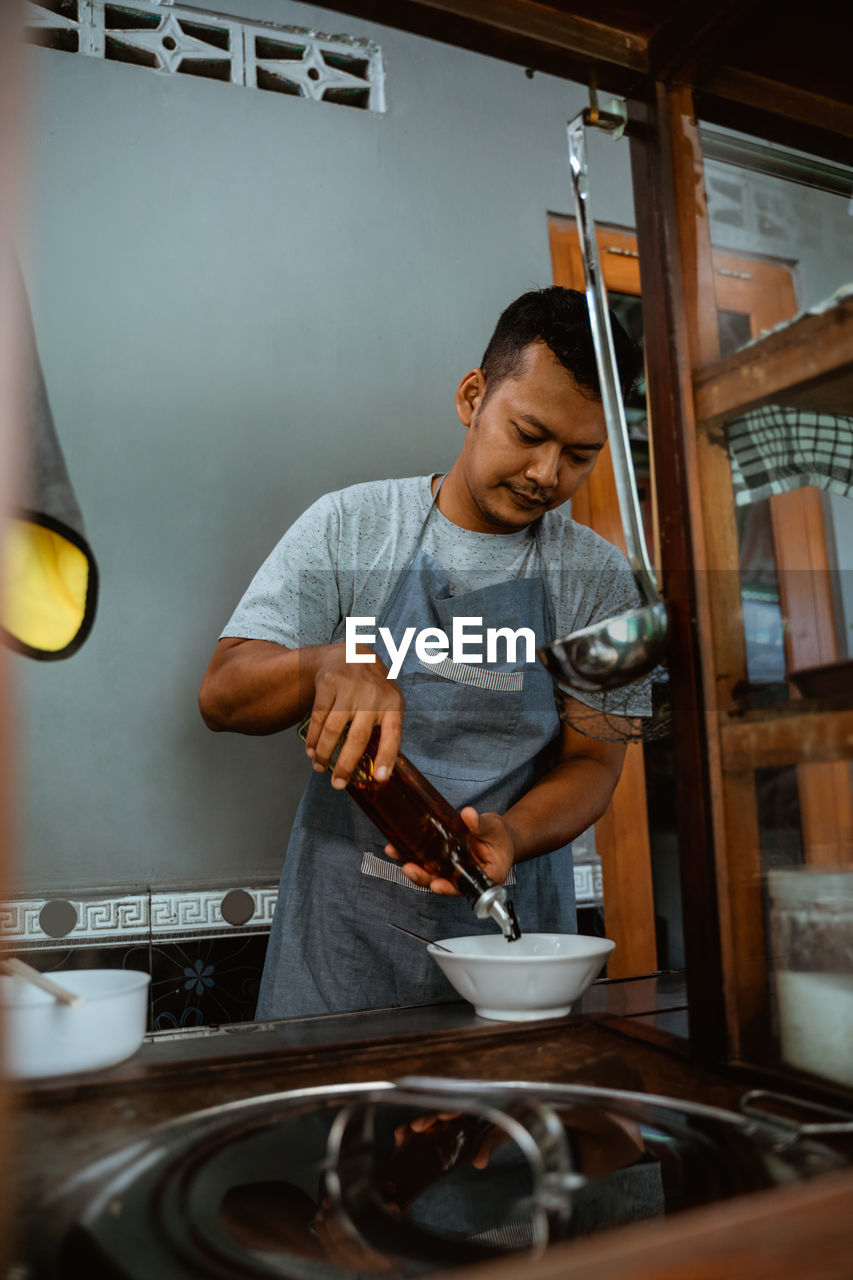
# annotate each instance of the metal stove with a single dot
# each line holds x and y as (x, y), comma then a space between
(400, 1179)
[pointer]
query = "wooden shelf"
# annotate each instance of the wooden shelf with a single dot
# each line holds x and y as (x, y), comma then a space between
(806, 364)
(811, 731)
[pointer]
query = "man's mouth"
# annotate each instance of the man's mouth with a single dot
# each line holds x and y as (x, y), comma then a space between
(529, 500)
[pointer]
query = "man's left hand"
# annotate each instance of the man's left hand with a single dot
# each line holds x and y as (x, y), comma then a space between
(493, 844)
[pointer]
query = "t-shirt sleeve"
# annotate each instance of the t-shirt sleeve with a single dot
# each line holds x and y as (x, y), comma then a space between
(614, 589)
(605, 590)
(294, 598)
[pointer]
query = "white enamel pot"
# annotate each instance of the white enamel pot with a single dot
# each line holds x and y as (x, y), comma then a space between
(42, 1037)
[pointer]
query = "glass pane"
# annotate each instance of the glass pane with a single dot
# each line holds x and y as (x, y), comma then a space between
(778, 798)
(762, 611)
(780, 227)
(795, 595)
(778, 210)
(629, 311)
(734, 330)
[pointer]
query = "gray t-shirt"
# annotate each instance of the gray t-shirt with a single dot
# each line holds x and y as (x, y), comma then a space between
(342, 557)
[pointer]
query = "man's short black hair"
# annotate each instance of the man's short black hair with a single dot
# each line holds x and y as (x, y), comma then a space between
(559, 318)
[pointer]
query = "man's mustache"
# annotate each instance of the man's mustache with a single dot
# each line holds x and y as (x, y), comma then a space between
(535, 495)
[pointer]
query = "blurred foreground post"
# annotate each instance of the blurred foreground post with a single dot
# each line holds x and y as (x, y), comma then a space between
(11, 12)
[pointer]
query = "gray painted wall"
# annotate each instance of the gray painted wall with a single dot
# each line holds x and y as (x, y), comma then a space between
(243, 300)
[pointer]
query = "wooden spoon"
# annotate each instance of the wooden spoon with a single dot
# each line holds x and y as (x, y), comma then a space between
(18, 969)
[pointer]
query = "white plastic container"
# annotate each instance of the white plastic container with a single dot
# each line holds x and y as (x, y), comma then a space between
(811, 929)
(42, 1037)
(539, 976)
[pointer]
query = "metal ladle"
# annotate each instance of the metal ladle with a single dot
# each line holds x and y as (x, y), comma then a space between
(616, 650)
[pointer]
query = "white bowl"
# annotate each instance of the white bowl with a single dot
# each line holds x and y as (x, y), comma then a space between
(42, 1037)
(539, 976)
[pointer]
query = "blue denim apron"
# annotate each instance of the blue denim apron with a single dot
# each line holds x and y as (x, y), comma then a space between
(483, 734)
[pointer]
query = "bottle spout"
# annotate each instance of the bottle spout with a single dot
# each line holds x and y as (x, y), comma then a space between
(495, 903)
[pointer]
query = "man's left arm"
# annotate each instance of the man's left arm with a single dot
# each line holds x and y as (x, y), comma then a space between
(563, 803)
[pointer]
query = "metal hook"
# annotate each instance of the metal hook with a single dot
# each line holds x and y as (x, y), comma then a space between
(614, 120)
(618, 107)
(592, 115)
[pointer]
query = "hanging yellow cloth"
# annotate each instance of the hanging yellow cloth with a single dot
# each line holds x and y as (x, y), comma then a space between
(47, 570)
(47, 580)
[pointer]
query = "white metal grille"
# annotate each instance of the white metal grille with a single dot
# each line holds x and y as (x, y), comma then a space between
(183, 41)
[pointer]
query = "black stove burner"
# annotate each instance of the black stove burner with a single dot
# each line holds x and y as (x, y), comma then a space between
(395, 1180)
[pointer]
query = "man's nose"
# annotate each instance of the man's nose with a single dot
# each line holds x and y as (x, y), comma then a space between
(543, 467)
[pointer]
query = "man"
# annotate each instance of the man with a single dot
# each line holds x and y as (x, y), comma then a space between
(483, 542)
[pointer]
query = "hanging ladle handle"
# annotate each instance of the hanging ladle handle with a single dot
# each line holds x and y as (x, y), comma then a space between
(605, 356)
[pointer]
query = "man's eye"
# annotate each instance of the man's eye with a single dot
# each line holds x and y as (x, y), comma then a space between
(526, 436)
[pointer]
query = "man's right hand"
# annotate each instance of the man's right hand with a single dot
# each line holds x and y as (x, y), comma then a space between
(257, 686)
(359, 695)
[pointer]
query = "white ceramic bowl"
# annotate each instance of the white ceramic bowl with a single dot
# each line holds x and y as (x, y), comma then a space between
(45, 1038)
(539, 976)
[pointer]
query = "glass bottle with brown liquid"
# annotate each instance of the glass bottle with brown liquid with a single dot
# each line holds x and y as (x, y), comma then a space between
(425, 828)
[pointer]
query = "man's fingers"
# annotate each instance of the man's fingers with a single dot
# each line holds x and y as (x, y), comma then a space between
(471, 818)
(330, 734)
(357, 703)
(444, 888)
(391, 731)
(417, 874)
(423, 1124)
(494, 1138)
(434, 883)
(358, 736)
(319, 712)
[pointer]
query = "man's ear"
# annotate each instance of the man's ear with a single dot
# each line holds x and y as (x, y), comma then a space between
(470, 395)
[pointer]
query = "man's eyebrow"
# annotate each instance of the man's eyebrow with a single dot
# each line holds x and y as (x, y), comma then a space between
(533, 421)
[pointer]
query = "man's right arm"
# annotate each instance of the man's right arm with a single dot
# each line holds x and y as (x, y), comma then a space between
(260, 687)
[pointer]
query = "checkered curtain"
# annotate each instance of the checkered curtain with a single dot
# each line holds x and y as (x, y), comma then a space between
(775, 449)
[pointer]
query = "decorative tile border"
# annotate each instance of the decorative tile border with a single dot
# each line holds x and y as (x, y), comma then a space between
(181, 40)
(171, 916)
(589, 884)
(29, 922)
(198, 912)
(76, 921)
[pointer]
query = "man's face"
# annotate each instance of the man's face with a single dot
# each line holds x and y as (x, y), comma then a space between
(529, 445)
